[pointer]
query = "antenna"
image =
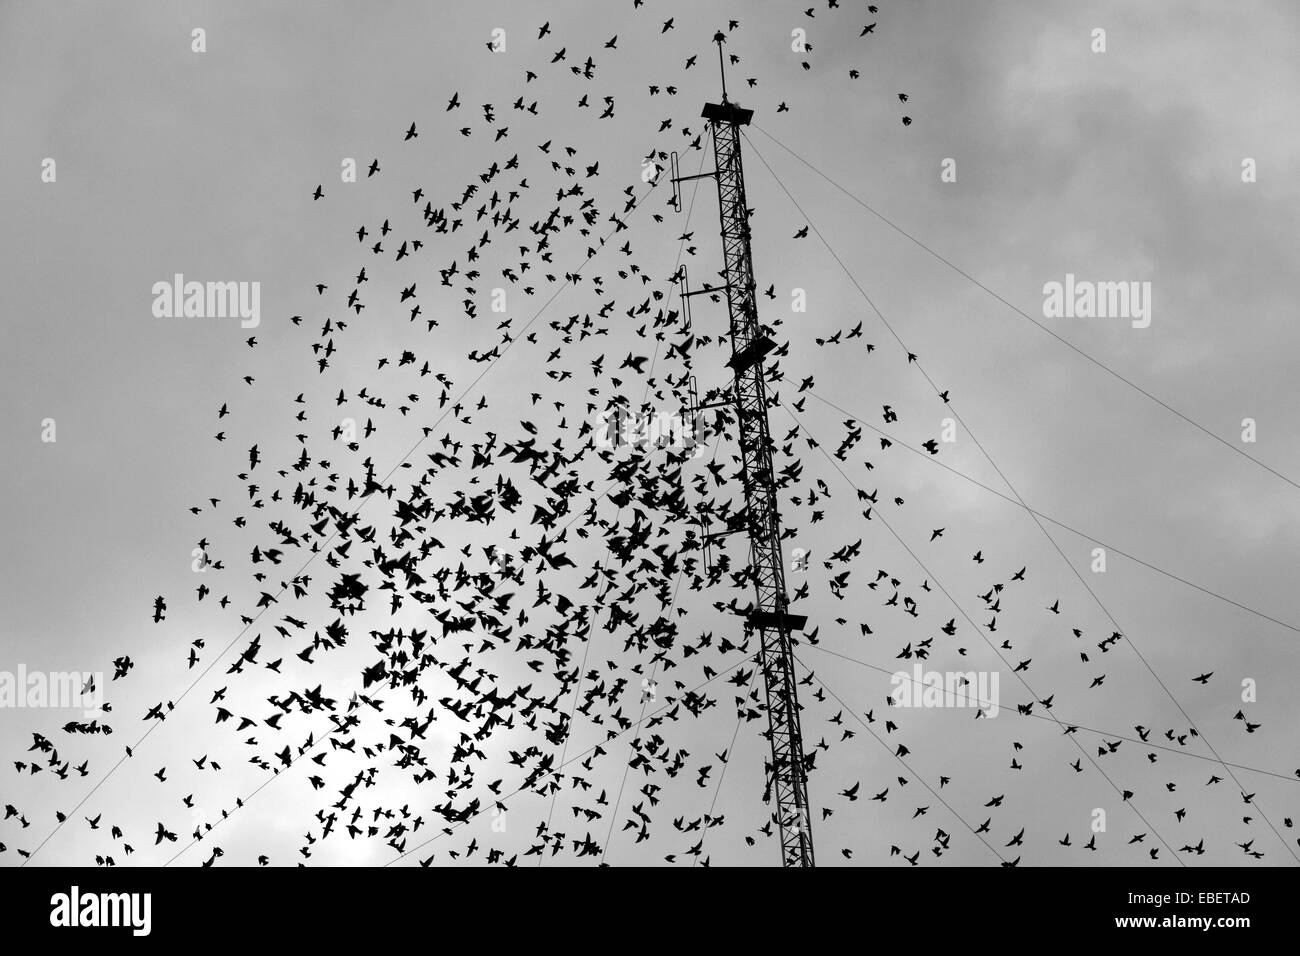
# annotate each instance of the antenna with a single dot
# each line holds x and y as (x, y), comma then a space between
(720, 39)
(769, 618)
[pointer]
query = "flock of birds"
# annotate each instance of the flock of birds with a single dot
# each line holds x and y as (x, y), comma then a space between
(517, 603)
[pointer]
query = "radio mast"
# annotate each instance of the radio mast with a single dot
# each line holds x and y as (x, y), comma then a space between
(770, 619)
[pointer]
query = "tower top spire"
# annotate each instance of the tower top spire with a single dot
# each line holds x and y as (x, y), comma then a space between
(720, 38)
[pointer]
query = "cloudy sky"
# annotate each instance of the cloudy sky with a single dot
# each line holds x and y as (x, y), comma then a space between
(1122, 165)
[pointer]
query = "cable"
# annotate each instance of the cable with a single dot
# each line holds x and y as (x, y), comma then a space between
(587, 643)
(1097, 362)
(897, 757)
(914, 360)
(1071, 724)
(365, 500)
(978, 630)
(574, 759)
(1046, 517)
(731, 753)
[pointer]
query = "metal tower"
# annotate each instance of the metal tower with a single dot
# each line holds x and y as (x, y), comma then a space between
(770, 617)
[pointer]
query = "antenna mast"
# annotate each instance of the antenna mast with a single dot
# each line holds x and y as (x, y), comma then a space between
(770, 617)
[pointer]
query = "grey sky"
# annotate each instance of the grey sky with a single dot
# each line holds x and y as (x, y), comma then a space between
(1112, 166)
